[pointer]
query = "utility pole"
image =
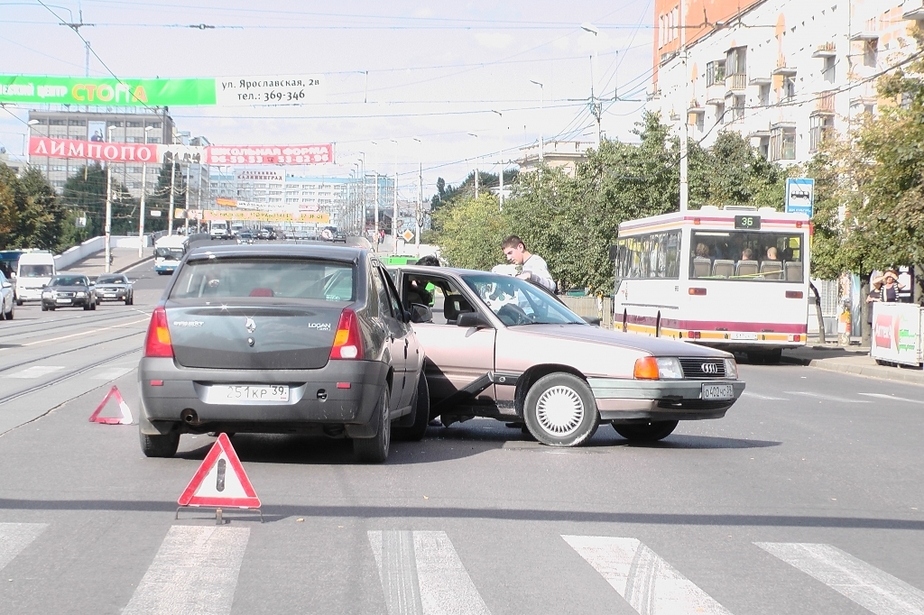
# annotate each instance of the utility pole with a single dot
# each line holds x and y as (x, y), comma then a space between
(541, 114)
(595, 109)
(108, 228)
(375, 213)
(500, 195)
(172, 191)
(417, 212)
(685, 99)
(144, 177)
(394, 216)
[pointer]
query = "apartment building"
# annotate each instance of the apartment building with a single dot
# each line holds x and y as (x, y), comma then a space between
(784, 73)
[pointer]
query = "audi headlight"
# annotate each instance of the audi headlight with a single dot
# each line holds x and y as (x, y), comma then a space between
(658, 368)
(731, 369)
(48, 293)
(80, 293)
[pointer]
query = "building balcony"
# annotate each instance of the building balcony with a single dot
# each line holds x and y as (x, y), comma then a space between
(864, 35)
(695, 107)
(759, 81)
(786, 71)
(913, 10)
(737, 82)
(827, 50)
(824, 105)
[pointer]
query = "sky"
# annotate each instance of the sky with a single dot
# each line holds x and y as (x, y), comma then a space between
(407, 85)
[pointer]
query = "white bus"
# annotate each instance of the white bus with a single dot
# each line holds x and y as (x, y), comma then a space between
(733, 278)
(168, 251)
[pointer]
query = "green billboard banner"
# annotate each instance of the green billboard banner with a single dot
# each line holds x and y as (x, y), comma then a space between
(107, 92)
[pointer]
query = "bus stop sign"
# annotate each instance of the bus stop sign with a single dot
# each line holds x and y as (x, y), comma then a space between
(800, 195)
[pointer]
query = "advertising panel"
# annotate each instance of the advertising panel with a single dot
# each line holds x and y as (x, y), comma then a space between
(107, 92)
(270, 154)
(89, 150)
(96, 131)
(318, 217)
(896, 334)
(251, 91)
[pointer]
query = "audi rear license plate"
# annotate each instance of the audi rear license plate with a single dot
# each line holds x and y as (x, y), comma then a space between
(246, 394)
(718, 391)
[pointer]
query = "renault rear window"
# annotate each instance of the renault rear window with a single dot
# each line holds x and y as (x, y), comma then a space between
(265, 279)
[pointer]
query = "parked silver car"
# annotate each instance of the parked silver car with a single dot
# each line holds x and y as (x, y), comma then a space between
(501, 347)
(282, 339)
(7, 298)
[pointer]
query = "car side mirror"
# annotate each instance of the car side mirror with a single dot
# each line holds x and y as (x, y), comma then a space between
(472, 319)
(420, 313)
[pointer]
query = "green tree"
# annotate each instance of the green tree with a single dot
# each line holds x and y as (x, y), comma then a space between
(472, 231)
(31, 215)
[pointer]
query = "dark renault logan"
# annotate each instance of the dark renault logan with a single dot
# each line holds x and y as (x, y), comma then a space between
(282, 339)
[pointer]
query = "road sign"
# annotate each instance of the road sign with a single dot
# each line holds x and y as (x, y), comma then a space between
(800, 195)
(408, 235)
(125, 419)
(220, 480)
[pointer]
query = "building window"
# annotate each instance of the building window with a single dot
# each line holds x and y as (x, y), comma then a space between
(871, 52)
(821, 127)
(828, 73)
(720, 113)
(715, 72)
(154, 124)
(736, 61)
(57, 122)
(76, 122)
(783, 143)
(135, 124)
(763, 95)
(789, 89)
(737, 108)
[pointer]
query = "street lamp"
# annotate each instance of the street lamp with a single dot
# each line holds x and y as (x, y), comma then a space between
(394, 215)
(541, 113)
(108, 227)
(477, 160)
(144, 177)
(419, 200)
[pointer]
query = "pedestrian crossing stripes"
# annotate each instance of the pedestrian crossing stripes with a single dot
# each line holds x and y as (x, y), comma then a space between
(646, 581)
(14, 537)
(871, 588)
(196, 569)
(421, 574)
(194, 572)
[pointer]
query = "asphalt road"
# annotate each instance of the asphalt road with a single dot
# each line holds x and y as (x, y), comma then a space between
(806, 498)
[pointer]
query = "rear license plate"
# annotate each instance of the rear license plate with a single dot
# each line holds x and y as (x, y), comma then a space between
(244, 394)
(718, 391)
(739, 335)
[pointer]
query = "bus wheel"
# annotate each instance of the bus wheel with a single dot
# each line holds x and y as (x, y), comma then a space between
(645, 432)
(560, 410)
(771, 356)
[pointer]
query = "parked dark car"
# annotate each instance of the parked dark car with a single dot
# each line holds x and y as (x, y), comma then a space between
(267, 232)
(305, 338)
(501, 347)
(68, 290)
(114, 287)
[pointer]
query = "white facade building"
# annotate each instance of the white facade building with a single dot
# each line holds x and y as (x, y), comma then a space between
(783, 72)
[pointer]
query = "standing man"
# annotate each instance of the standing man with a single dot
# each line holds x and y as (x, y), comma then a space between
(532, 266)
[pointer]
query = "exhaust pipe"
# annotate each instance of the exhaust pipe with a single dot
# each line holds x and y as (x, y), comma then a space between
(190, 417)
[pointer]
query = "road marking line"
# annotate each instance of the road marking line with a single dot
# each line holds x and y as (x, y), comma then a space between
(840, 400)
(648, 583)
(873, 589)
(36, 371)
(85, 333)
(765, 397)
(112, 373)
(194, 572)
(14, 537)
(891, 397)
(422, 574)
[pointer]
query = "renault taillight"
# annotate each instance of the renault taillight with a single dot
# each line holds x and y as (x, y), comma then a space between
(158, 342)
(347, 340)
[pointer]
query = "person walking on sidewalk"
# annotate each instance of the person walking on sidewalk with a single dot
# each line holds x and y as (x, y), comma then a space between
(532, 266)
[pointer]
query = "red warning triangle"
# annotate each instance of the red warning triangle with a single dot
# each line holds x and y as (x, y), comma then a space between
(220, 480)
(125, 419)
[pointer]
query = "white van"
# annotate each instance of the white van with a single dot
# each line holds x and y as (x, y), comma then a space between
(34, 270)
(168, 252)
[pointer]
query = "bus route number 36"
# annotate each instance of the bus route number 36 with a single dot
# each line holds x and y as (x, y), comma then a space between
(747, 222)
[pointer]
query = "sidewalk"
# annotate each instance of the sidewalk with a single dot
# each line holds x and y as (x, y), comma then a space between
(850, 360)
(122, 259)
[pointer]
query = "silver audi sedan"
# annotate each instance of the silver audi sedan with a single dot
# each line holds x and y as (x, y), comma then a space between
(501, 347)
